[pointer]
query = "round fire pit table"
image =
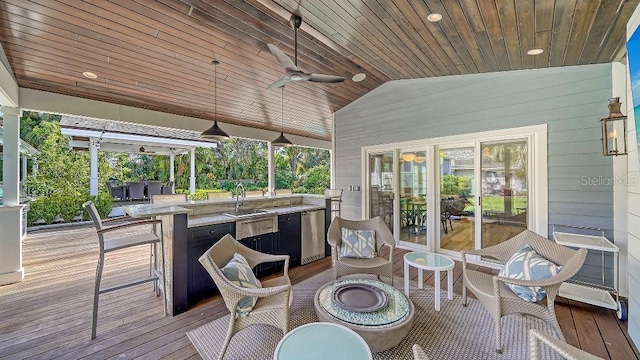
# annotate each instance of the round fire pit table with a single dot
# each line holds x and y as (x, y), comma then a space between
(381, 329)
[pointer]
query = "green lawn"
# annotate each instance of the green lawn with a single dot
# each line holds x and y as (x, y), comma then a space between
(496, 204)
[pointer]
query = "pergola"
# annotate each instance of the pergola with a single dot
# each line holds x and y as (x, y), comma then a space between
(123, 137)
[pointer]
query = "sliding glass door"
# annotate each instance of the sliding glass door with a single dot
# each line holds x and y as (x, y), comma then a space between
(413, 196)
(381, 187)
(457, 198)
(504, 202)
(460, 192)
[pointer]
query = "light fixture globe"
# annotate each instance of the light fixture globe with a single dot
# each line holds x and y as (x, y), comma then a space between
(214, 132)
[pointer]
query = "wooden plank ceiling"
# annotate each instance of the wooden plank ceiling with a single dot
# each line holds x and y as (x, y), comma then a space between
(157, 54)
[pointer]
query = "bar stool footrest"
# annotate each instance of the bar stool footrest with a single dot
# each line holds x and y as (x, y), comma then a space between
(134, 283)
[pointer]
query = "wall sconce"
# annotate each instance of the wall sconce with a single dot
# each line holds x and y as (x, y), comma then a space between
(614, 130)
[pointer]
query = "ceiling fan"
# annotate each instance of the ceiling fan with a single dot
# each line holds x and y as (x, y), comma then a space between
(292, 73)
(143, 150)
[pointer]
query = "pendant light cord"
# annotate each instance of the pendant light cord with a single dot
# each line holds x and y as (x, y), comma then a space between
(215, 90)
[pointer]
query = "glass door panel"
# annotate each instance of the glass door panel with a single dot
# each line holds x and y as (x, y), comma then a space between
(457, 199)
(504, 202)
(413, 192)
(381, 187)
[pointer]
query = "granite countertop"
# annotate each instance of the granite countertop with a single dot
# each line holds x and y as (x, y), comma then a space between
(203, 220)
(147, 210)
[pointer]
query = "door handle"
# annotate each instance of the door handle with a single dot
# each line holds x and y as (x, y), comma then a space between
(480, 200)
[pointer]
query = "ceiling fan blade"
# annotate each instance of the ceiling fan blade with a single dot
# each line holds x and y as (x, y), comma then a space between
(280, 83)
(282, 58)
(325, 78)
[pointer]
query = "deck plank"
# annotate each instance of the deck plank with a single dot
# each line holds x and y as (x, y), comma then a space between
(48, 315)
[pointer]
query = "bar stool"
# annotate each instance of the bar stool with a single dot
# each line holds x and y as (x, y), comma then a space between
(108, 245)
(336, 200)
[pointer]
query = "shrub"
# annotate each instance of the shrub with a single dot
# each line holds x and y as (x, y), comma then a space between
(68, 206)
(317, 179)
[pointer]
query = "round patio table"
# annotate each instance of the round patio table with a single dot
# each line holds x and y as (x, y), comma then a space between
(429, 261)
(320, 341)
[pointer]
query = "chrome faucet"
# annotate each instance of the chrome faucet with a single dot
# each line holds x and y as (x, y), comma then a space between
(239, 186)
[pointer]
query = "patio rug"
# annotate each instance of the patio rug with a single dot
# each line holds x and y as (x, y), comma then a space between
(453, 333)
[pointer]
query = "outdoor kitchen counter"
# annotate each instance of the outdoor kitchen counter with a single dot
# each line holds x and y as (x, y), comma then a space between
(204, 220)
(189, 228)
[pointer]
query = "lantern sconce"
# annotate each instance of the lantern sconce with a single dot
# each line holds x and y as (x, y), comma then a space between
(614, 130)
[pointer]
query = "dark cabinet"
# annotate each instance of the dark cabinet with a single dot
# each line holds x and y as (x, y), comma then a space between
(199, 283)
(289, 237)
(265, 243)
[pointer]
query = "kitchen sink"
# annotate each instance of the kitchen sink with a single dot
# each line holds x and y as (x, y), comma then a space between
(249, 212)
(252, 222)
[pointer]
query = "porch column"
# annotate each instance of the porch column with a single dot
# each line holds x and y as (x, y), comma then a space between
(94, 145)
(172, 172)
(11, 156)
(192, 179)
(23, 182)
(272, 172)
(11, 269)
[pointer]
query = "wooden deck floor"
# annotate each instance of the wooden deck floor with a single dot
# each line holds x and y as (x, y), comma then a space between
(48, 315)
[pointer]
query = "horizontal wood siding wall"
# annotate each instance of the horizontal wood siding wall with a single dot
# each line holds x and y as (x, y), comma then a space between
(633, 218)
(571, 100)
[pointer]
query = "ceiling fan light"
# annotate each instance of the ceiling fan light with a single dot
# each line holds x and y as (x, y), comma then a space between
(215, 133)
(296, 77)
(281, 141)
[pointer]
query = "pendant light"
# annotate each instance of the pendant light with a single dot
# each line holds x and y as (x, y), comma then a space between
(215, 132)
(282, 140)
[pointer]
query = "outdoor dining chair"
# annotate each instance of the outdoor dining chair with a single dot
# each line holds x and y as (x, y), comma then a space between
(135, 190)
(153, 188)
(125, 242)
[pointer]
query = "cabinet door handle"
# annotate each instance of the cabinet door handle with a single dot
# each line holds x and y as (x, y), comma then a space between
(212, 231)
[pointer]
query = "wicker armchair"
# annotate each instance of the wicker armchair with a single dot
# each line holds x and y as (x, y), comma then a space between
(274, 298)
(378, 265)
(499, 300)
(418, 353)
(565, 350)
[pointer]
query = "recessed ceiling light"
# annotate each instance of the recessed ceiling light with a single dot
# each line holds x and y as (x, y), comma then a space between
(89, 75)
(535, 52)
(434, 17)
(359, 77)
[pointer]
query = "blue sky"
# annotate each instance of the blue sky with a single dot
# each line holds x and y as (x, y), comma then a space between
(633, 51)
